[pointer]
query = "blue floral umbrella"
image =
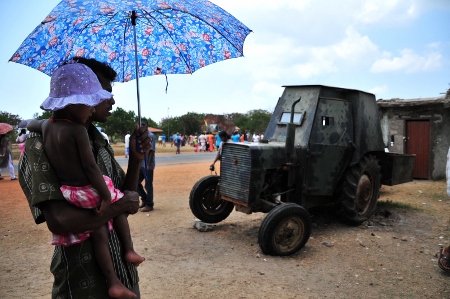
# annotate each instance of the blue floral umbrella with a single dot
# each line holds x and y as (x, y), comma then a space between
(137, 38)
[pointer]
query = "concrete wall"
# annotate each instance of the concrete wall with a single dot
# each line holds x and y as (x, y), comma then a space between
(393, 124)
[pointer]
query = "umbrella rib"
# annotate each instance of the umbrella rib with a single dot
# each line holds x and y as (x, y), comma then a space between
(146, 13)
(127, 24)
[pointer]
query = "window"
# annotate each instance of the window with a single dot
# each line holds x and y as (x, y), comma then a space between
(286, 117)
(327, 121)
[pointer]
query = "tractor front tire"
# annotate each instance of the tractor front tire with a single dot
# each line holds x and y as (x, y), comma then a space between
(205, 201)
(285, 230)
(359, 191)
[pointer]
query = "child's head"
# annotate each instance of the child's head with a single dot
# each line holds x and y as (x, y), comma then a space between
(75, 88)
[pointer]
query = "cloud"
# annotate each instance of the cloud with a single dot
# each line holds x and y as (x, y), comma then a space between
(408, 61)
(261, 4)
(350, 52)
(380, 11)
(379, 89)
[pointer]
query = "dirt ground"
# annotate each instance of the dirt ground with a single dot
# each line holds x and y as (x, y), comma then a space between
(391, 256)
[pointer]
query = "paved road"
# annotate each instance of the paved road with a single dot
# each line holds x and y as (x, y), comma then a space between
(160, 160)
(176, 159)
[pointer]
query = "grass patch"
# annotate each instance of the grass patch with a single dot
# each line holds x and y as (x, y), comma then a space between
(119, 149)
(386, 204)
(438, 196)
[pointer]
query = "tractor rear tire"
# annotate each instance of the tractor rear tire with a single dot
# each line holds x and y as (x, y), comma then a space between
(205, 202)
(285, 230)
(359, 191)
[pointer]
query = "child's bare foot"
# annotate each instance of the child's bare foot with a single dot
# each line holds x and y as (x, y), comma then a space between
(118, 290)
(132, 257)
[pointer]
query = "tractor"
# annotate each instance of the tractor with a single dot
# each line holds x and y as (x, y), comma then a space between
(323, 146)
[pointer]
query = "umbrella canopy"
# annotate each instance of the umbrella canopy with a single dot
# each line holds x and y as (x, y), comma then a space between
(5, 128)
(24, 123)
(167, 36)
(155, 130)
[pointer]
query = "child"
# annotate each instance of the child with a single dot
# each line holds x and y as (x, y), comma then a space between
(74, 91)
(195, 144)
(21, 140)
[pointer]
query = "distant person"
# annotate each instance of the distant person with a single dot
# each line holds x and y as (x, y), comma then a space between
(211, 142)
(163, 140)
(173, 140)
(159, 140)
(102, 131)
(146, 173)
(21, 140)
(177, 141)
(218, 141)
(256, 138)
(82, 183)
(195, 143)
(127, 144)
(224, 137)
(235, 137)
(6, 159)
(202, 142)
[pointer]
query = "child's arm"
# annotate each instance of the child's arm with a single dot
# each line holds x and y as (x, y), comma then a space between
(90, 167)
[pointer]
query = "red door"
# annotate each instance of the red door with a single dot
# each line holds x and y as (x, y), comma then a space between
(418, 143)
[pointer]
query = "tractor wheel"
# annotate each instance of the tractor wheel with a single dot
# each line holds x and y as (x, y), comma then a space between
(359, 191)
(285, 230)
(205, 202)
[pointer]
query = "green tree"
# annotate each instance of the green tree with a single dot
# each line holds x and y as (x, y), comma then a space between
(175, 126)
(164, 125)
(12, 119)
(44, 115)
(119, 123)
(151, 123)
(258, 120)
(190, 123)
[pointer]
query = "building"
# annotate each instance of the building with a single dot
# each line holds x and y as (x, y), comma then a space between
(420, 127)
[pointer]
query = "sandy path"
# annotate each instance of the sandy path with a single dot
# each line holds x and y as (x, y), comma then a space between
(391, 257)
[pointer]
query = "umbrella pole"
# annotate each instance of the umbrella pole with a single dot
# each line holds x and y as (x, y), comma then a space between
(133, 22)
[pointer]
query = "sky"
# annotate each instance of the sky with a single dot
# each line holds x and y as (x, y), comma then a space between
(392, 48)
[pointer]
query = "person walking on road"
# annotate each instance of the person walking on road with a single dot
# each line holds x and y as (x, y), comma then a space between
(146, 174)
(127, 144)
(6, 159)
(177, 141)
(21, 140)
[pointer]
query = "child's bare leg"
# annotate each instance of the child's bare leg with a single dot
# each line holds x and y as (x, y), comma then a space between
(123, 230)
(101, 251)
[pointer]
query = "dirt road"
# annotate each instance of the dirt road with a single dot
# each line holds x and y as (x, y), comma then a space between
(391, 256)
